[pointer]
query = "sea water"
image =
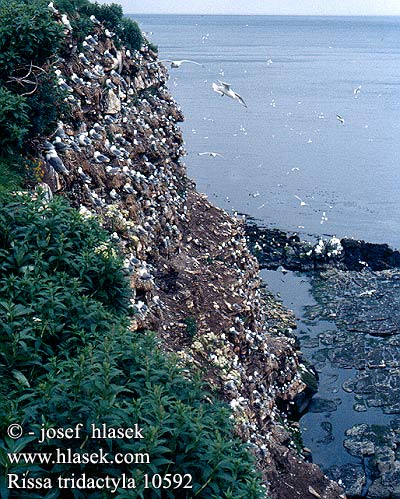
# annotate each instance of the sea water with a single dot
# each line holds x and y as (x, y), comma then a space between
(296, 74)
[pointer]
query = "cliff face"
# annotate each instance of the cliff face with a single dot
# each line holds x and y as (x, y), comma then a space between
(194, 279)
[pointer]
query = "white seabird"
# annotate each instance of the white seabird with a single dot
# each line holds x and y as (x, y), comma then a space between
(83, 139)
(110, 84)
(100, 158)
(94, 20)
(340, 119)
(64, 86)
(75, 78)
(83, 176)
(302, 203)
(52, 8)
(95, 135)
(86, 46)
(91, 40)
(115, 151)
(54, 161)
(59, 145)
(225, 89)
(356, 91)
(84, 59)
(210, 153)
(66, 23)
(178, 64)
(108, 33)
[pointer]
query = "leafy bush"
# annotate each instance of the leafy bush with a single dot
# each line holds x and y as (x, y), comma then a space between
(68, 357)
(80, 23)
(29, 98)
(10, 180)
(28, 34)
(29, 37)
(152, 46)
(131, 34)
(14, 120)
(55, 240)
(71, 7)
(126, 30)
(111, 15)
(46, 105)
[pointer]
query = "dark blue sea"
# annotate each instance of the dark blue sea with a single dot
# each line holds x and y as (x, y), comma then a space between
(295, 74)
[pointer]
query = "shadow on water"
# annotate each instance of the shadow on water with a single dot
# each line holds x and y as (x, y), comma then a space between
(350, 425)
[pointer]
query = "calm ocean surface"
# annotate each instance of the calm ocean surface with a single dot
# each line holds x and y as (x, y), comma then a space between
(295, 74)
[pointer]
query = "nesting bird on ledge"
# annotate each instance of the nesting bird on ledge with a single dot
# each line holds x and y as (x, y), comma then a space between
(55, 161)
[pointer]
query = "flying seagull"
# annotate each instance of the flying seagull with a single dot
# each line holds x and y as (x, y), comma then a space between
(302, 203)
(340, 119)
(210, 153)
(225, 89)
(356, 91)
(178, 64)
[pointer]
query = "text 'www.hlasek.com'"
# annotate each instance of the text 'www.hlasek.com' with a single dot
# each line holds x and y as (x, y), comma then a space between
(60, 466)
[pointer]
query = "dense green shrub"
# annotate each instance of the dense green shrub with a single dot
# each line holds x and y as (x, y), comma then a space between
(29, 99)
(28, 34)
(80, 23)
(68, 357)
(35, 115)
(71, 7)
(55, 240)
(14, 120)
(10, 180)
(111, 15)
(46, 106)
(131, 34)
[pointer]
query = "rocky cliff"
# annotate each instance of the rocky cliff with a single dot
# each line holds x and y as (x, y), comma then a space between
(194, 280)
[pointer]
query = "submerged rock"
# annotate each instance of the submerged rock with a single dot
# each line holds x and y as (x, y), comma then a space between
(364, 306)
(379, 443)
(351, 476)
(318, 404)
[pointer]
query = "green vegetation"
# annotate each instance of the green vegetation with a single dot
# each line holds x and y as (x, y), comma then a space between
(31, 39)
(30, 101)
(10, 180)
(191, 326)
(127, 32)
(14, 121)
(28, 34)
(67, 357)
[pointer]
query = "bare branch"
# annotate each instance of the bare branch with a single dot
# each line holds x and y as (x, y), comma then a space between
(23, 80)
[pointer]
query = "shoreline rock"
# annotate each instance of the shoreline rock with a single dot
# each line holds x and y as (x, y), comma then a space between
(274, 248)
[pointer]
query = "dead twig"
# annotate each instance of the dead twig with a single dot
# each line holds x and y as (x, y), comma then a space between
(23, 80)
